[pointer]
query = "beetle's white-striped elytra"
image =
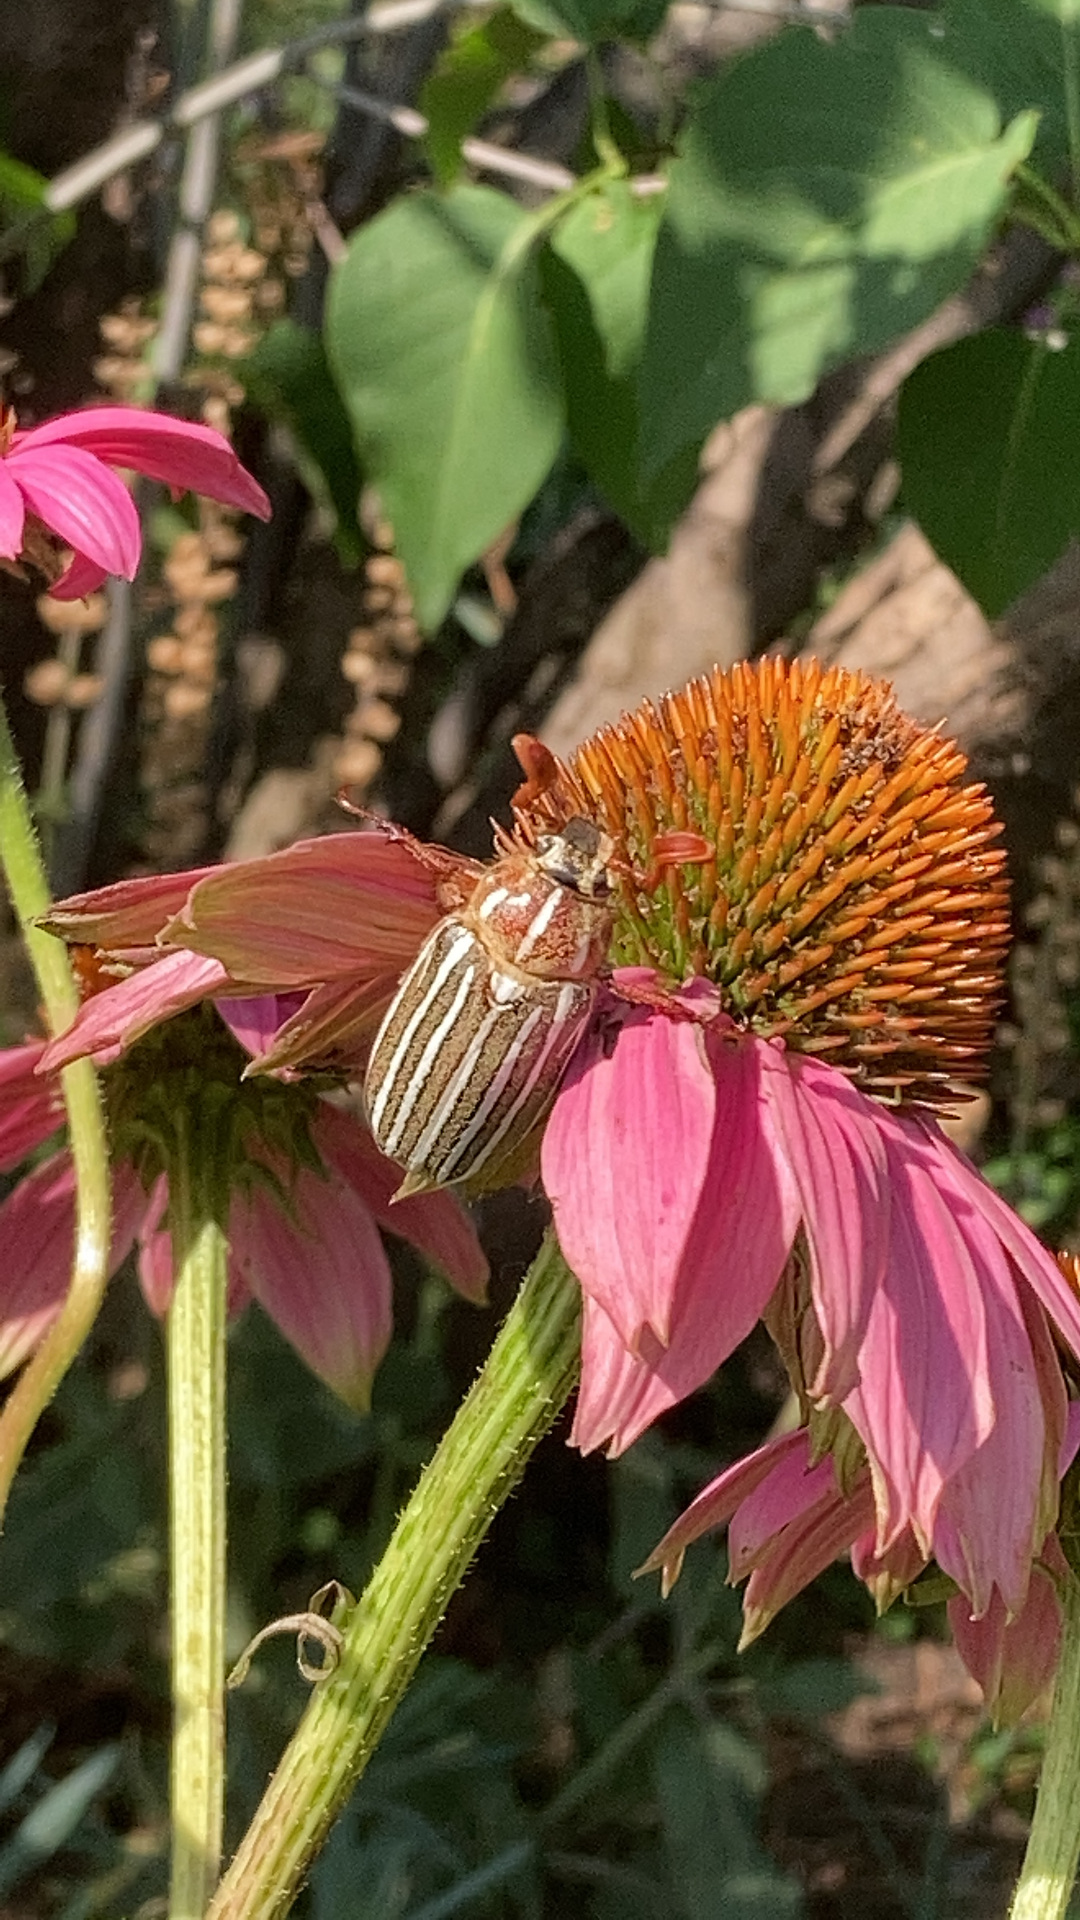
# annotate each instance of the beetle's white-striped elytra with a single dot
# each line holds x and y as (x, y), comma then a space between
(483, 1024)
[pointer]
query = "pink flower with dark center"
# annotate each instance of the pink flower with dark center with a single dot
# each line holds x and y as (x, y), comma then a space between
(747, 1128)
(304, 1238)
(58, 491)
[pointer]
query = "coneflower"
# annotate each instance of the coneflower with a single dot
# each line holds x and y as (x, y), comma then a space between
(746, 1128)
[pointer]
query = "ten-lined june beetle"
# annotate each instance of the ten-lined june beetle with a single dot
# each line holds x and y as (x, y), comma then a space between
(482, 1026)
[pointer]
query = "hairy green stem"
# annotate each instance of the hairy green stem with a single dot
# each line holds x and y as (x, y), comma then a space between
(1049, 1869)
(195, 1338)
(527, 1376)
(20, 855)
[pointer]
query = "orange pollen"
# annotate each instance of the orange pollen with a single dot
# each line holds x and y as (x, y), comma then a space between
(852, 899)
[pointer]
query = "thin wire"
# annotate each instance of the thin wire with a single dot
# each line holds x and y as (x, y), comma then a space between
(479, 153)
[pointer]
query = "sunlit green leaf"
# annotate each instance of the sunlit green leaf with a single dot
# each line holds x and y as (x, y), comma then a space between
(827, 198)
(596, 280)
(445, 355)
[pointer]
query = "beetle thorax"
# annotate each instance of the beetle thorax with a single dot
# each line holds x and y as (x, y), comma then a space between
(547, 913)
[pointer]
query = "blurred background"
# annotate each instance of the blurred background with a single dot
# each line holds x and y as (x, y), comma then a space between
(218, 207)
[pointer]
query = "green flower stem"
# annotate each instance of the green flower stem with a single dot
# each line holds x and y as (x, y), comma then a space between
(1049, 1869)
(195, 1340)
(20, 856)
(524, 1383)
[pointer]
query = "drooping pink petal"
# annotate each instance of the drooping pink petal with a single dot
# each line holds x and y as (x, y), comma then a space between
(998, 1508)
(714, 1506)
(924, 1403)
(618, 1154)
(129, 913)
(114, 1019)
(83, 502)
(12, 517)
(832, 1143)
(972, 1197)
(80, 578)
(30, 1106)
(788, 1495)
(435, 1223)
(182, 453)
(742, 1231)
(37, 1228)
(1013, 1659)
(323, 909)
(322, 1276)
(795, 1557)
(37, 1232)
(886, 1574)
(155, 1261)
(616, 1387)
(154, 1264)
(624, 1157)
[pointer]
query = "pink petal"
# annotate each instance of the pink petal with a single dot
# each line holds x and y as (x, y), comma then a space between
(925, 1401)
(333, 1026)
(899, 1567)
(625, 1155)
(973, 1198)
(130, 913)
(81, 578)
(742, 1233)
(37, 1232)
(321, 1275)
(998, 1509)
(111, 1021)
(832, 1141)
(790, 1494)
(155, 1260)
(615, 1389)
(30, 1106)
(788, 1522)
(436, 1223)
(803, 1550)
(155, 1266)
(83, 502)
(716, 1503)
(613, 1159)
(324, 909)
(181, 453)
(1013, 1659)
(12, 516)
(256, 1019)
